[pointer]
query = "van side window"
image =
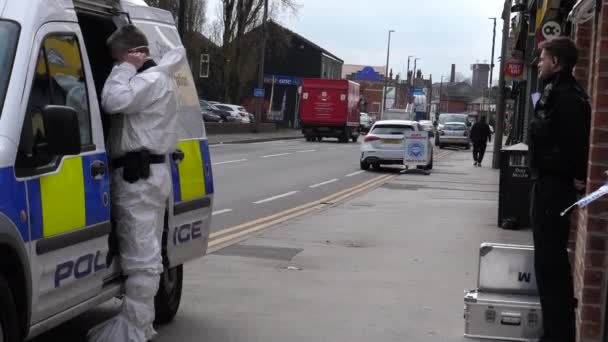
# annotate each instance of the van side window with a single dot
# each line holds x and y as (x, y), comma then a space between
(58, 80)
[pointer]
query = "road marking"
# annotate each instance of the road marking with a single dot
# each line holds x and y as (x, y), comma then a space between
(306, 151)
(276, 155)
(354, 173)
(324, 183)
(230, 162)
(229, 236)
(219, 212)
(276, 197)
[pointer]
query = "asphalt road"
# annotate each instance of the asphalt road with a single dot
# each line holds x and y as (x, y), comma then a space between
(253, 181)
(257, 180)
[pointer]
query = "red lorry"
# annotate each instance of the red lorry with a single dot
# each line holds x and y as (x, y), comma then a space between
(330, 108)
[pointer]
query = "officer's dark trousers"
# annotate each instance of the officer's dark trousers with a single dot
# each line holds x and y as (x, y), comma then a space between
(550, 196)
(479, 149)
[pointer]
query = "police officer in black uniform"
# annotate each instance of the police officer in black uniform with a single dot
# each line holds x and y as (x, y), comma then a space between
(558, 151)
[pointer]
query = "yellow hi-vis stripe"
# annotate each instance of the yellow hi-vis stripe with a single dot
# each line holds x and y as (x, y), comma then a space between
(191, 176)
(63, 199)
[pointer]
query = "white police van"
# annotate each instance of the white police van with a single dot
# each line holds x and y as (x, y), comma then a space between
(55, 218)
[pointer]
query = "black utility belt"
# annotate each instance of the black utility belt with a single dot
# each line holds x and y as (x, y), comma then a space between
(136, 165)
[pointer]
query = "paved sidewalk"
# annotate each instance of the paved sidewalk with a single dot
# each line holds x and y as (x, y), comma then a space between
(216, 139)
(391, 265)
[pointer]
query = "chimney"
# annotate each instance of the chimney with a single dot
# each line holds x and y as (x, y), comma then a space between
(453, 74)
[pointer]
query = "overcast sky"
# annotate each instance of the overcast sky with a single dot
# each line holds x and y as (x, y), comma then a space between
(440, 32)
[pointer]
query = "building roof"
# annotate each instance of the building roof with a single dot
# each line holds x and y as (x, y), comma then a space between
(276, 25)
(481, 100)
(458, 90)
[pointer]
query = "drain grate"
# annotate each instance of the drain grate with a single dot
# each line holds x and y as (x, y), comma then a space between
(260, 252)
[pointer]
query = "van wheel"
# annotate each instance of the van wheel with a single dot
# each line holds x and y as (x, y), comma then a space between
(9, 326)
(166, 302)
(364, 165)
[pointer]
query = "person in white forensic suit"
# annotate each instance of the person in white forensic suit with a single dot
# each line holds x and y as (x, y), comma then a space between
(141, 97)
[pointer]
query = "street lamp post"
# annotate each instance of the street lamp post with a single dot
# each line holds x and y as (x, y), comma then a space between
(388, 55)
(493, 46)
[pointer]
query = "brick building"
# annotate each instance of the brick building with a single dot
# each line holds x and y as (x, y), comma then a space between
(455, 97)
(586, 21)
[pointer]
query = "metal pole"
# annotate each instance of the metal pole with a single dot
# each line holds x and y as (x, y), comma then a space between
(388, 55)
(492, 60)
(440, 94)
(181, 24)
(501, 103)
(258, 107)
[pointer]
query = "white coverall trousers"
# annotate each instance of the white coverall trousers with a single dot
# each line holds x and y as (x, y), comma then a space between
(139, 210)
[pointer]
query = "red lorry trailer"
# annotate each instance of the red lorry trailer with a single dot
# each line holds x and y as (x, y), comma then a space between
(330, 108)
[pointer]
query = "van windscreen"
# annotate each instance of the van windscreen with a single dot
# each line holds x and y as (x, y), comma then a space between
(9, 33)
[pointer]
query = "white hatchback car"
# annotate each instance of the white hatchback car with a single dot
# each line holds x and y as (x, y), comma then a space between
(384, 144)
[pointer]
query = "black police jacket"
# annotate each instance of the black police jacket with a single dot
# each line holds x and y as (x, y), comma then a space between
(559, 133)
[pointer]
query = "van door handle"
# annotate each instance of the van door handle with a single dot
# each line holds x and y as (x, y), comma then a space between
(178, 156)
(98, 170)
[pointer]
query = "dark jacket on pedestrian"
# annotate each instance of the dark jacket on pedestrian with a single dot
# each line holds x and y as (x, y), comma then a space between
(559, 133)
(480, 133)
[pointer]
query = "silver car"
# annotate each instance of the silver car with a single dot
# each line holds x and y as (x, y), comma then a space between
(384, 144)
(454, 134)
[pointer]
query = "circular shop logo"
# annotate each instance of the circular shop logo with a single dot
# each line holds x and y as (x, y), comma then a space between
(416, 149)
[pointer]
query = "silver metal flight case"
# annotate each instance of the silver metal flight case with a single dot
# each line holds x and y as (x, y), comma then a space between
(506, 305)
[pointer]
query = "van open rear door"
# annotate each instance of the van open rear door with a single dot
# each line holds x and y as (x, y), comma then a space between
(190, 207)
(102, 7)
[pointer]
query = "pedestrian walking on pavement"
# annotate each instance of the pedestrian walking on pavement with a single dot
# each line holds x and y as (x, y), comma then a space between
(480, 135)
(558, 152)
(141, 97)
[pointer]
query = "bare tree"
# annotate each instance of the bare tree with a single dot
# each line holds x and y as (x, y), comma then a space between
(195, 12)
(238, 17)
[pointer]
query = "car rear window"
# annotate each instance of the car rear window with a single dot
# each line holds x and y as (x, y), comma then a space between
(391, 129)
(454, 127)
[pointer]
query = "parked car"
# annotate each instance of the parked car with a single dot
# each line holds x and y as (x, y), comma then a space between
(238, 112)
(210, 117)
(384, 144)
(449, 117)
(225, 116)
(366, 122)
(454, 133)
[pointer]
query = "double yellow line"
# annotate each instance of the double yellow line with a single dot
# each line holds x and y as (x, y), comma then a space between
(227, 237)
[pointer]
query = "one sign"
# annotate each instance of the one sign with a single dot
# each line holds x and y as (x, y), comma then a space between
(514, 69)
(416, 148)
(551, 29)
(282, 80)
(259, 92)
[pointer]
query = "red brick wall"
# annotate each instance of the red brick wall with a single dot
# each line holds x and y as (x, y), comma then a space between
(590, 257)
(453, 106)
